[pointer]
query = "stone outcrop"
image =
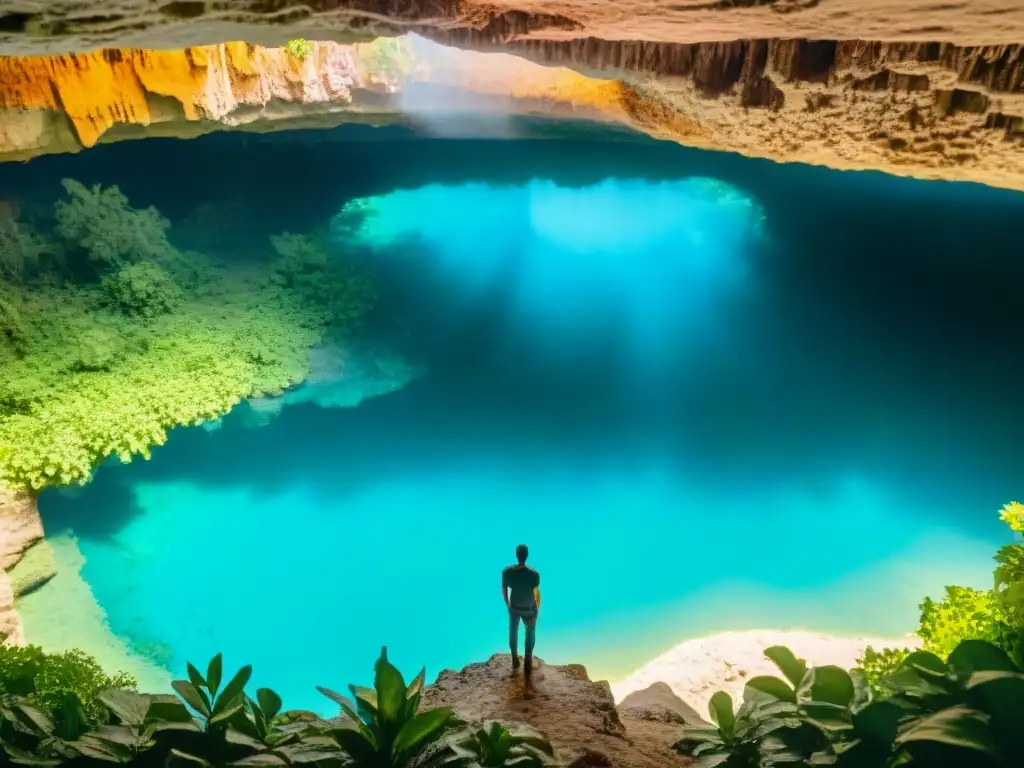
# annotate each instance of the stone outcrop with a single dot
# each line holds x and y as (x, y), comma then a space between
(577, 715)
(21, 530)
(937, 110)
(658, 703)
(43, 26)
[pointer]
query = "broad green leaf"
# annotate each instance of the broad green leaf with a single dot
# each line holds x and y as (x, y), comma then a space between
(720, 709)
(357, 747)
(879, 722)
(366, 702)
(538, 743)
(417, 684)
(793, 668)
(979, 656)
(22, 757)
(831, 684)
(100, 750)
(925, 662)
(124, 735)
(1000, 694)
(261, 759)
(130, 707)
(772, 686)
(191, 697)
(214, 672)
(269, 701)
(390, 691)
(423, 729)
(31, 719)
(167, 708)
(956, 727)
(194, 677)
(711, 761)
(222, 718)
(233, 690)
(234, 736)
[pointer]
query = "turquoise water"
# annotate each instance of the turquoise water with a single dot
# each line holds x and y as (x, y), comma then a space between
(784, 399)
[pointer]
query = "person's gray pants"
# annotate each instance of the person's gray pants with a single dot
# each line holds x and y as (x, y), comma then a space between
(529, 619)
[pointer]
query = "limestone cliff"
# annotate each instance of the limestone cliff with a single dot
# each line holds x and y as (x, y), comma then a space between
(935, 91)
(20, 530)
(577, 715)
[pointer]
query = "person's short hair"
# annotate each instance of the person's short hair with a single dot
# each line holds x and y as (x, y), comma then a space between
(522, 552)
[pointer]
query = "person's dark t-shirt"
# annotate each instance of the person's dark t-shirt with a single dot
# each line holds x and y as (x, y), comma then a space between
(521, 580)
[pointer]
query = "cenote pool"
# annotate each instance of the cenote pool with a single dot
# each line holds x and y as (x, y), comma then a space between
(709, 392)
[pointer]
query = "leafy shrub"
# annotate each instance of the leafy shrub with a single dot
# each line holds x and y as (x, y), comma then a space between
(965, 713)
(390, 731)
(1013, 515)
(877, 664)
(47, 679)
(387, 59)
(299, 48)
(142, 289)
(494, 746)
(20, 250)
(965, 613)
(110, 232)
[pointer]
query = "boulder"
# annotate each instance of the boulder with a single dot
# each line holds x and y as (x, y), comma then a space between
(659, 703)
(575, 713)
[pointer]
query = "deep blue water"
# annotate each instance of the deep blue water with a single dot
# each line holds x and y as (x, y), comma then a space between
(694, 426)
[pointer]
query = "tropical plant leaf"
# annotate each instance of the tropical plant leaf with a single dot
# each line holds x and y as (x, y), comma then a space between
(129, 707)
(233, 690)
(832, 685)
(214, 672)
(720, 709)
(222, 718)
(356, 746)
(956, 727)
(195, 677)
(793, 668)
(167, 708)
(191, 697)
(311, 750)
(979, 656)
(270, 702)
(235, 736)
(926, 662)
(772, 686)
(261, 759)
(421, 730)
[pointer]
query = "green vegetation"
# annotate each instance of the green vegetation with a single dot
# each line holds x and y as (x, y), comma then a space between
(995, 615)
(388, 58)
(109, 335)
(493, 746)
(67, 685)
(965, 712)
(213, 723)
(299, 48)
(959, 702)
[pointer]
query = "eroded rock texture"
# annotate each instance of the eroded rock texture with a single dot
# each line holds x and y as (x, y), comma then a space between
(576, 714)
(791, 80)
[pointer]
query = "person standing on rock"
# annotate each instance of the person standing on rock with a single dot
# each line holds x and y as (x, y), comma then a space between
(520, 588)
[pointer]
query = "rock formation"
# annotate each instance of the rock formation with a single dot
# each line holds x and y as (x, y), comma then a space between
(791, 80)
(21, 530)
(577, 715)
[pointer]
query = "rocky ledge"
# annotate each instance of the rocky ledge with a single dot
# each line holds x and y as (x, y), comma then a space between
(934, 92)
(577, 715)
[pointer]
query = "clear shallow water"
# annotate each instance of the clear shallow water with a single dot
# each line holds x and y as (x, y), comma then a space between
(813, 430)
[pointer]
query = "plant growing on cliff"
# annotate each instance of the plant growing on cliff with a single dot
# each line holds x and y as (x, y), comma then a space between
(390, 731)
(494, 746)
(299, 48)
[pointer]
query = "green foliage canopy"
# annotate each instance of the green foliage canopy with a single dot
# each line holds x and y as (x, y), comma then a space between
(150, 338)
